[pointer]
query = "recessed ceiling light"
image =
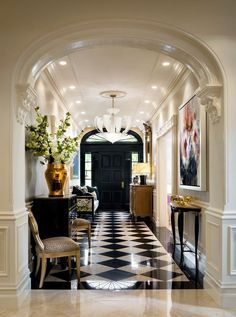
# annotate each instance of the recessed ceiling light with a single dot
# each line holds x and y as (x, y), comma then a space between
(86, 120)
(141, 112)
(88, 126)
(63, 63)
(165, 64)
(78, 101)
(82, 112)
(72, 87)
(147, 101)
(154, 87)
(137, 120)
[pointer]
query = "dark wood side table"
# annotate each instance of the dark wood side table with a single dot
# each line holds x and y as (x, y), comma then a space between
(53, 214)
(141, 197)
(181, 210)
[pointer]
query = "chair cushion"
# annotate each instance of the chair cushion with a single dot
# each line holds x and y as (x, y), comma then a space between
(80, 222)
(60, 244)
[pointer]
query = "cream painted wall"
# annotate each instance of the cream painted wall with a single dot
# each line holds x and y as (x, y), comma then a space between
(52, 106)
(214, 196)
(212, 21)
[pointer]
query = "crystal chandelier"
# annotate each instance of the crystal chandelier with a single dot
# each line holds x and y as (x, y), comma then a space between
(111, 127)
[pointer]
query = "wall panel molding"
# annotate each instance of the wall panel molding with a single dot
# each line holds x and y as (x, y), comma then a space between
(232, 250)
(4, 259)
(22, 254)
(212, 246)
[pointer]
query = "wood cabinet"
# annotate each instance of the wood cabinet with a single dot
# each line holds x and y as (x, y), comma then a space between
(53, 215)
(141, 204)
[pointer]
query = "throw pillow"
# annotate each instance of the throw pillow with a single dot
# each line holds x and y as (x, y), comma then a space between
(94, 195)
(77, 191)
(88, 194)
(93, 189)
(84, 189)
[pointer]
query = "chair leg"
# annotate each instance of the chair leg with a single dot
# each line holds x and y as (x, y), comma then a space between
(69, 264)
(89, 236)
(43, 271)
(37, 265)
(78, 266)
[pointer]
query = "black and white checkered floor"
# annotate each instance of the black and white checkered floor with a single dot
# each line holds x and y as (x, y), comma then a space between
(124, 255)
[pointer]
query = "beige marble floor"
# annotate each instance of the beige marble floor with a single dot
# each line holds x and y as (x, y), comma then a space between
(145, 303)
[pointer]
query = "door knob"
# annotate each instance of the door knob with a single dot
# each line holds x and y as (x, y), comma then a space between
(122, 184)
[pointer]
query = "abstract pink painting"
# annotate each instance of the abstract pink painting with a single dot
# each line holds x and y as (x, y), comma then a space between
(192, 145)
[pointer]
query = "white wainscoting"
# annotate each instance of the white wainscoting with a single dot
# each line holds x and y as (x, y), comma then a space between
(14, 271)
(220, 275)
(232, 248)
(213, 245)
(4, 259)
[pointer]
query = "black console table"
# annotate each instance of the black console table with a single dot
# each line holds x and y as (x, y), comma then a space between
(181, 209)
(53, 214)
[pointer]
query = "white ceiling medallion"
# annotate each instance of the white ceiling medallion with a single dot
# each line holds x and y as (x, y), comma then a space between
(112, 127)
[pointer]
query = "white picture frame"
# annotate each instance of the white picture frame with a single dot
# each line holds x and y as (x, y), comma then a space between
(192, 145)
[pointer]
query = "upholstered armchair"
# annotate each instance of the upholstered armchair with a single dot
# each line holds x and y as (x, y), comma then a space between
(55, 247)
(87, 199)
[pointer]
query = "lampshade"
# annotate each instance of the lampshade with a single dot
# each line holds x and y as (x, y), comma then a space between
(111, 127)
(141, 168)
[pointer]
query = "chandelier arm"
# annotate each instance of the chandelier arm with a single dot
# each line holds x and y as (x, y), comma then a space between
(111, 123)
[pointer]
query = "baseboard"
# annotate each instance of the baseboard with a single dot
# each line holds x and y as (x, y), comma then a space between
(13, 297)
(224, 297)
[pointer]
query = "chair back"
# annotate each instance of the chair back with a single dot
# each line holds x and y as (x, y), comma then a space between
(35, 231)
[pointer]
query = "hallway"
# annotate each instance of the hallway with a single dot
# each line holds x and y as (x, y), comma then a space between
(128, 272)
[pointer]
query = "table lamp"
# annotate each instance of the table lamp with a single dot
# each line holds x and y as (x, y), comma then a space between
(141, 169)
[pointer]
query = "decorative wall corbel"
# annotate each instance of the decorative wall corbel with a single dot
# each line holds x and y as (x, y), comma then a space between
(26, 99)
(211, 98)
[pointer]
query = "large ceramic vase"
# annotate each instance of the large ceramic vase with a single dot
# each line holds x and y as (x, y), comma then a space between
(56, 177)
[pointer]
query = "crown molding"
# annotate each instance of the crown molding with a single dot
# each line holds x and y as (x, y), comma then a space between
(48, 76)
(172, 122)
(211, 98)
(172, 89)
(27, 98)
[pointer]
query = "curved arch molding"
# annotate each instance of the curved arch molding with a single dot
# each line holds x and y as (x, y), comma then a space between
(182, 46)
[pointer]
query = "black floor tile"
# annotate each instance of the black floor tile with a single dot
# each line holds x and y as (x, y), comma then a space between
(116, 275)
(115, 263)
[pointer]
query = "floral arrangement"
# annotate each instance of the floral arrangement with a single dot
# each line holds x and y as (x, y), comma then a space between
(53, 147)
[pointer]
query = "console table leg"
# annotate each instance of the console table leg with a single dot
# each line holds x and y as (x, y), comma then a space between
(196, 238)
(181, 233)
(172, 218)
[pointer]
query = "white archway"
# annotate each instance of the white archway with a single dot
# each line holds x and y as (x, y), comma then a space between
(148, 35)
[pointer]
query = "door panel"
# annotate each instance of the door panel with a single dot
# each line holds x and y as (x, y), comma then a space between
(110, 178)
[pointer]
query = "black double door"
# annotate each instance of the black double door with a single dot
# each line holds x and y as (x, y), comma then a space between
(111, 176)
(111, 172)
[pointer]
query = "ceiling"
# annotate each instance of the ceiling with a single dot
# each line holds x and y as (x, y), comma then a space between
(146, 76)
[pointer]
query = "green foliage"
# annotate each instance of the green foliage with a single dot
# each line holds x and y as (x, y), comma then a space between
(53, 147)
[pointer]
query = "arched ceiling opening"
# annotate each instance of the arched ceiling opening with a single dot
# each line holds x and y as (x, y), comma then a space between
(141, 58)
(146, 77)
